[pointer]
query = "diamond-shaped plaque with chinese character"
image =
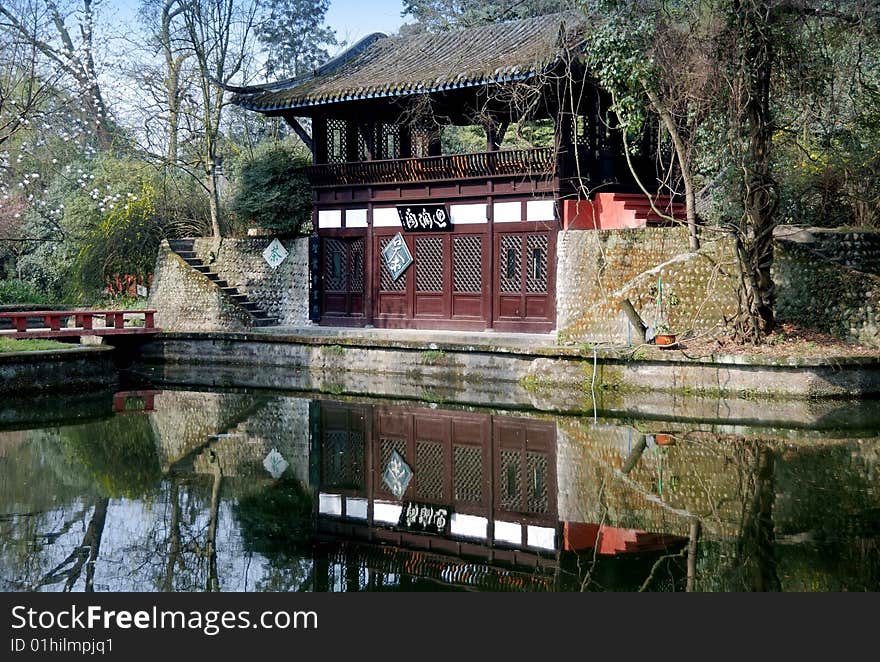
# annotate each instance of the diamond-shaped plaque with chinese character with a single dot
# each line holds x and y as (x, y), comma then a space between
(275, 463)
(397, 475)
(275, 254)
(397, 256)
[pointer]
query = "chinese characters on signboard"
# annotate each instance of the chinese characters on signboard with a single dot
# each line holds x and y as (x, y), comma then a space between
(424, 517)
(424, 218)
(275, 463)
(275, 254)
(397, 256)
(397, 475)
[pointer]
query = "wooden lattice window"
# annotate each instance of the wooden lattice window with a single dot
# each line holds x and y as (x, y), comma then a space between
(337, 141)
(365, 140)
(335, 265)
(343, 460)
(467, 264)
(580, 131)
(536, 259)
(429, 470)
(538, 496)
(344, 265)
(389, 141)
(511, 480)
(386, 282)
(429, 264)
(467, 471)
(511, 262)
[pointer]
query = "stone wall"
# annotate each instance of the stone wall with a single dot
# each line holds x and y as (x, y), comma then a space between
(596, 270)
(822, 295)
(68, 369)
(855, 249)
(185, 300)
(283, 293)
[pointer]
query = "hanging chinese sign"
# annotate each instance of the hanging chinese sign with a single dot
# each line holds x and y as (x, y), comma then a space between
(424, 218)
(397, 256)
(275, 463)
(397, 475)
(425, 517)
(275, 254)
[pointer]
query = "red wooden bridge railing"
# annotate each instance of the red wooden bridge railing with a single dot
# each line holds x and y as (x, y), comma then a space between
(57, 323)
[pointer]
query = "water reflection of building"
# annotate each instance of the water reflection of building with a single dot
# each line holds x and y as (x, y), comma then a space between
(496, 473)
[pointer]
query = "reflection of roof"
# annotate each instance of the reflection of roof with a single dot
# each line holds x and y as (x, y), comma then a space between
(380, 66)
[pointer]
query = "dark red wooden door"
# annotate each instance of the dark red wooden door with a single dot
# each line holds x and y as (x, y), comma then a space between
(445, 287)
(343, 276)
(524, 280)
(525, 470)
(449, 454)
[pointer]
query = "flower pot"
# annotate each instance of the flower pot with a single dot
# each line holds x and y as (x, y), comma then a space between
(664, 339)
(664, 439)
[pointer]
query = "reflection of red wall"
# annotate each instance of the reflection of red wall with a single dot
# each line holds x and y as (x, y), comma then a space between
(612, 540)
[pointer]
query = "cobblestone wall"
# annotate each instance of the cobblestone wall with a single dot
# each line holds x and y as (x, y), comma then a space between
(283, 292)
(242, 429)
(858, 250)
(825, 296)
(596, 270)
(186, 300)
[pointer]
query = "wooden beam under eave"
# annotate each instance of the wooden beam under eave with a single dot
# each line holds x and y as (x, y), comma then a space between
(300, 131)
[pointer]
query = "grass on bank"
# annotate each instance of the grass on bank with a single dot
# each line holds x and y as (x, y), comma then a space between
(31, 345)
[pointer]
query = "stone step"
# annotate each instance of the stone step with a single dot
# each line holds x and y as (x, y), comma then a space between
(265, 321)
(202, 268)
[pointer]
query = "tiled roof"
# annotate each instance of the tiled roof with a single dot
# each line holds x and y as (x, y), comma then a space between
(380, 66)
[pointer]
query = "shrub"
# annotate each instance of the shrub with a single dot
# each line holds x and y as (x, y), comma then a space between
(273, 192)
(19, 291)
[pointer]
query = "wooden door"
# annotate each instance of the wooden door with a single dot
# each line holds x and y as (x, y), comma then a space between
(446, 287)
(524, 280)
(525, 470)
(343, 277)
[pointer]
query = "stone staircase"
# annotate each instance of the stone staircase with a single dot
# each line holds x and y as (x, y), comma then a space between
(185, 249)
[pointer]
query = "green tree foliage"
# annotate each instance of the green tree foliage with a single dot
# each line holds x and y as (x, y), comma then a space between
(780, 116)
(273, 191)
(111, 215)
(119, 454)
(18, 291)
(296, 36)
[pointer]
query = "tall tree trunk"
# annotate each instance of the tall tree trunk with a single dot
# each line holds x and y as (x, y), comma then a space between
(755, 552)
(214, 200)
(760, 197)
(681, 154)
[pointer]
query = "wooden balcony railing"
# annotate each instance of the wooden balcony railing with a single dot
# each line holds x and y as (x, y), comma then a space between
(504, 163)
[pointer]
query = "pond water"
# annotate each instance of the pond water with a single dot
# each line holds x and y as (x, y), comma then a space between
(188, 490)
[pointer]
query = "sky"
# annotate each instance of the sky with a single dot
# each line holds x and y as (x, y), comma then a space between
(352, 19)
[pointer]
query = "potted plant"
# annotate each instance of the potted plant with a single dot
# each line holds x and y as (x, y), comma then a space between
(663, 336)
